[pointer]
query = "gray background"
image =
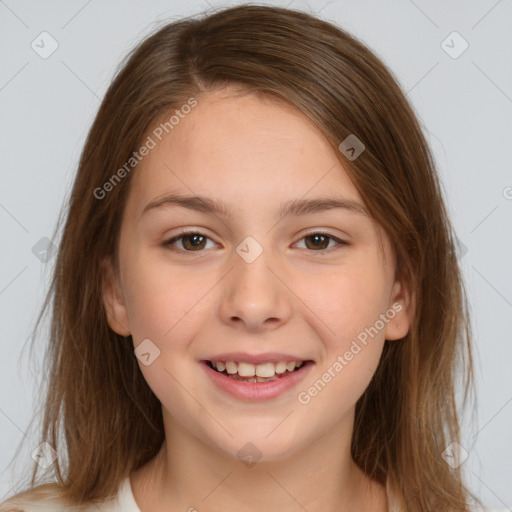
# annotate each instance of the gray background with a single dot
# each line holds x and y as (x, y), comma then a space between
(465, 103)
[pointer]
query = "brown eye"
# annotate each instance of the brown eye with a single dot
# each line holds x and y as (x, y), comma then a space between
(321, 241)
(194, 242)
(318, 241)
(190, 242)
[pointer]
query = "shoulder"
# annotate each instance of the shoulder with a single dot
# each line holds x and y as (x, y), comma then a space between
(37, 499)
(47, 498)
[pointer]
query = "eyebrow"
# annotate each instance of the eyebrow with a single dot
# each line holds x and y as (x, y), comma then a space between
(288, 208)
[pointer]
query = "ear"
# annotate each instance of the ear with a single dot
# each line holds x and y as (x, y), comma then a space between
(403, 305)
(113, 300)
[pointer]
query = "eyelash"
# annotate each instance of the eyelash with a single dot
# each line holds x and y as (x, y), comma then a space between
(168, 243)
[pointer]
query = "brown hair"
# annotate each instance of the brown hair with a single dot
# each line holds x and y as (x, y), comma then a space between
(96, 395)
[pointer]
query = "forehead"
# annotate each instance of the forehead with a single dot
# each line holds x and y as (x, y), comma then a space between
(234, 141)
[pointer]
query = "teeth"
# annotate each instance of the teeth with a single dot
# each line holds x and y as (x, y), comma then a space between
(231, 367)
(257, 373)
(247, 370)
(264, 370)
(280, 367)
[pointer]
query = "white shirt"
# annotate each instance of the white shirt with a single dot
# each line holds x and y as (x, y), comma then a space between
(124, 501)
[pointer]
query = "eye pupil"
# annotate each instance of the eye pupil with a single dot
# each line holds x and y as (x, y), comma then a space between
(319, 241)
(196, 238)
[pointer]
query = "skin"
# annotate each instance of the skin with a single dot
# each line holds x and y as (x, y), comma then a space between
(294, 298)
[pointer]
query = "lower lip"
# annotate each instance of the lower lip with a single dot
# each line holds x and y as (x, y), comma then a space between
(256, 391)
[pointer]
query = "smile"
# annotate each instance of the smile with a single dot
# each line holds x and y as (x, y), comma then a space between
(248, 372)
(255, 382)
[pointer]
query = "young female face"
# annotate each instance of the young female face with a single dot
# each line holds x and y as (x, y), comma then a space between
(252, 285)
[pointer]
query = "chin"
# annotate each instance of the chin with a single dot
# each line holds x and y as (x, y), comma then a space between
(254, 448)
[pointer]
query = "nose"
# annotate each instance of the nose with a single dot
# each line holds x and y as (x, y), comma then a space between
(255, 297)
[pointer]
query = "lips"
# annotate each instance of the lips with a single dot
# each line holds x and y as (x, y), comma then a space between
(254, 378)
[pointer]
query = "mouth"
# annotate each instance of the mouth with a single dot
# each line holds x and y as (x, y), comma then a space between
(256, 377)
(251, 373)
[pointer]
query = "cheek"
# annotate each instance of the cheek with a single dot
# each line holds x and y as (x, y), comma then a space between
(153, 299)
(161, 309)
(166, 303)
(346, 301)
(351, 306)
(151, 308)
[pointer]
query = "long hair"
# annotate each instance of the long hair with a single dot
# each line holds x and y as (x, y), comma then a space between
(99, 412)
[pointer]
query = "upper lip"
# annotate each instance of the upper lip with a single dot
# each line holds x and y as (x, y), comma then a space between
(269, 357)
